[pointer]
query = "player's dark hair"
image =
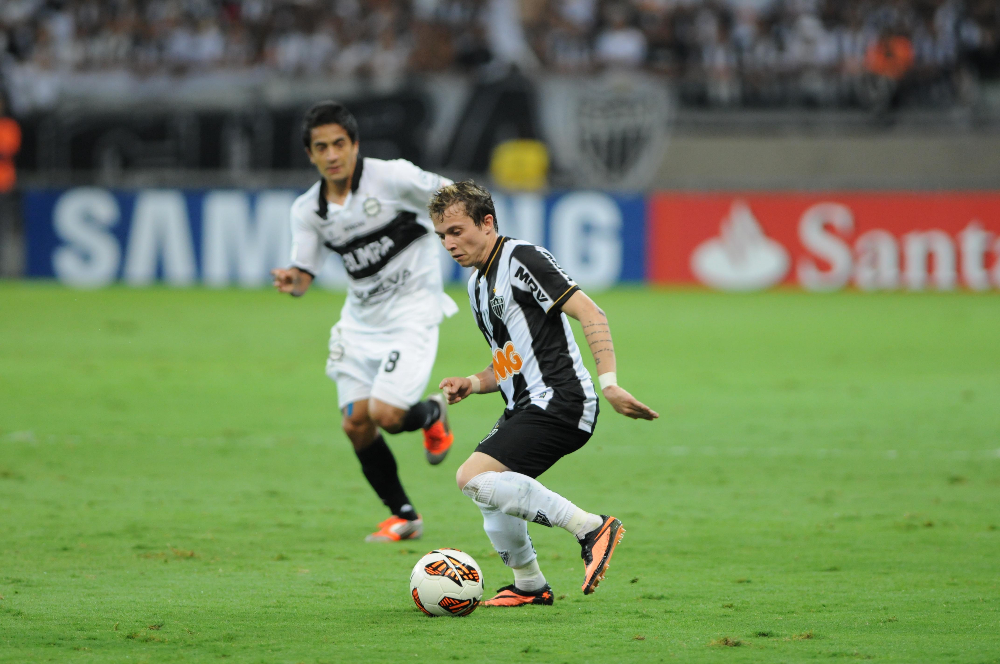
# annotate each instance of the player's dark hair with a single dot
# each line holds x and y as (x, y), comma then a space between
(476, 200)
(328, 112)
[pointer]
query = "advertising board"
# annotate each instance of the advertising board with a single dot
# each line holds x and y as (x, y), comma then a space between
(92, 237)
(824, 242)
(89, 236)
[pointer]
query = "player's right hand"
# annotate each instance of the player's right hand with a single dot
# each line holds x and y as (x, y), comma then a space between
(456, 389)
(284, 280)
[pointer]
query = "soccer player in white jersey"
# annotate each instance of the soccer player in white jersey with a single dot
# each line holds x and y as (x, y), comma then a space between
(374, 214)
(520, 298)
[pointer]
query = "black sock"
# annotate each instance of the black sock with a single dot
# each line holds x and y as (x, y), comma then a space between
(421, 415)
(379, 467)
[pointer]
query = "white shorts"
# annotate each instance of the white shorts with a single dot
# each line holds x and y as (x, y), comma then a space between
(393, 367)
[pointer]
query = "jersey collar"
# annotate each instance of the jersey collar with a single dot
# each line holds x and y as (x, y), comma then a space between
(493, 255)
(322, 206)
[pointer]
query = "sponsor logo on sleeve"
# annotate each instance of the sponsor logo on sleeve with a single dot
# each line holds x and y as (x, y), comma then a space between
(430, 180)
(525, 281)
(558, 268)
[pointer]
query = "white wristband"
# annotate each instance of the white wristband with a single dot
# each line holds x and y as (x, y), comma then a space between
(476, 383)
(607, 380)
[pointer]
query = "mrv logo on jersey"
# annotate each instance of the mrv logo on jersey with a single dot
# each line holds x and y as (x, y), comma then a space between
(525, 278)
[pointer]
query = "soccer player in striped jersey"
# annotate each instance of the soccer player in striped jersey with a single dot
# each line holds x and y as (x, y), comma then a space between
(521, 299)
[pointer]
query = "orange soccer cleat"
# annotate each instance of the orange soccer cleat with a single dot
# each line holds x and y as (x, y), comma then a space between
(438, 436)
(512, 596)
(395, 529)
(597, 547)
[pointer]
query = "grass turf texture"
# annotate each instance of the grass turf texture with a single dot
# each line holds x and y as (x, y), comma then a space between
(824, 482)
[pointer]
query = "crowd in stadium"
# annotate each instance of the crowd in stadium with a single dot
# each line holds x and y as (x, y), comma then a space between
(720, 52)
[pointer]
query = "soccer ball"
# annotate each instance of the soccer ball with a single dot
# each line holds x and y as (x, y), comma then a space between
(446, 582)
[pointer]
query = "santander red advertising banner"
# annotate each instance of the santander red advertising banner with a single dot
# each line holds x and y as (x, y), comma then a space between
(826, 241)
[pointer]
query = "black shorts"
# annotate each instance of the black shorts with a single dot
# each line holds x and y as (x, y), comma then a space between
(529, 440)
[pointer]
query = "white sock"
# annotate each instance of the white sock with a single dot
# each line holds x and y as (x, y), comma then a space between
(525, 498)
(582, 523)
(509, 536)
(529, 577)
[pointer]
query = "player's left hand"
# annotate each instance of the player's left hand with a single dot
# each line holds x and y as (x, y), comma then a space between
(628, 405)
(456, 389)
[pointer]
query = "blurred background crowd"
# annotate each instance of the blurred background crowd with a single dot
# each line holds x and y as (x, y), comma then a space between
(719, 53)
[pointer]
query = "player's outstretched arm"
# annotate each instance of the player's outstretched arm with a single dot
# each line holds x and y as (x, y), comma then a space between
(598, 334)
(293, 281)
(457, 389)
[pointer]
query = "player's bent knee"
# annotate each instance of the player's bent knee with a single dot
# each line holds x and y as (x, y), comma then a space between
(360, 432)
(471, 472)
(388, 421)
(465, 475)
(350, 427)
(461, 478)
(476, 485)
(387, 417)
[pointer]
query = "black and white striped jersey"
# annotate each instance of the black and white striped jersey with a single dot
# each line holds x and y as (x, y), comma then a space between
(517, 301)
(385, 237)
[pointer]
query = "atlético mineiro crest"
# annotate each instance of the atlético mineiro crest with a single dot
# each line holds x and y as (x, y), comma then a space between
(371, 206)
(497, 306)
(542, 518)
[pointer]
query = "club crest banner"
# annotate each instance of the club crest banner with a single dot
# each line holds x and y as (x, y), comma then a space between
(610, 132)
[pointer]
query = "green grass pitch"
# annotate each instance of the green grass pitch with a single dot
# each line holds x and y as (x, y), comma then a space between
(823, 484)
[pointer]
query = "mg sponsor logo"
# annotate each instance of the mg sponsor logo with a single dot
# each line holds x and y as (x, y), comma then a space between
(506, 362)
(827, 242)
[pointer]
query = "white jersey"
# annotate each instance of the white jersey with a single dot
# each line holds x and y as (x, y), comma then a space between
(386, 239)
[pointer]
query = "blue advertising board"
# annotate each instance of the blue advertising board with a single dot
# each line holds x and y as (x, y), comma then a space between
(90, 236)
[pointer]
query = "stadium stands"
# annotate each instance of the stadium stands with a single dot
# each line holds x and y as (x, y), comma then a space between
(827, 53)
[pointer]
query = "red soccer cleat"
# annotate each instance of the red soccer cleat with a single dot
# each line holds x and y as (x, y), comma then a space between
(395, 529)
(597, 547)
(512, 596)
(438, 436)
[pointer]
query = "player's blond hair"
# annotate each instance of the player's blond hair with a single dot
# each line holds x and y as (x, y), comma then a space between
(476, 200)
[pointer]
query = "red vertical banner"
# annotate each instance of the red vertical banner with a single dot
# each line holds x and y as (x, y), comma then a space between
(10, 145)
(749, 241)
